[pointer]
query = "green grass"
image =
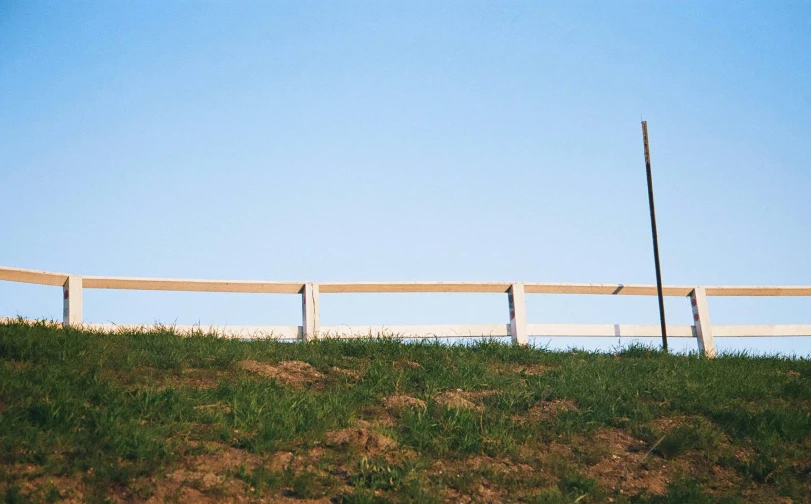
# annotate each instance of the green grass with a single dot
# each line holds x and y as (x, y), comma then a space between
(133, 416)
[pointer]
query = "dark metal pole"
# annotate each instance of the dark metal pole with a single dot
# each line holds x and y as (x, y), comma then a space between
(655, 237)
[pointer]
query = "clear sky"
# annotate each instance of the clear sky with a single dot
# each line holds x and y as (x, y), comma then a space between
(410, 140)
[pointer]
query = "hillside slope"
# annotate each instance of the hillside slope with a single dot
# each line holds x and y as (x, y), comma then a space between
(157, 417)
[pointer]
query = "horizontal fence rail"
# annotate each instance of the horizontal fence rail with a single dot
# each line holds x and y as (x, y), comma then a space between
(517, 328)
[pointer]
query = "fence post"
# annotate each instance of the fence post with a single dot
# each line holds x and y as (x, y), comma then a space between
(701, 316)
(72, 301)
(310, 312)
(518, 314)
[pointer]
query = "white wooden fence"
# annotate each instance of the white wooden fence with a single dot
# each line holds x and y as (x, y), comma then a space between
(517, 328)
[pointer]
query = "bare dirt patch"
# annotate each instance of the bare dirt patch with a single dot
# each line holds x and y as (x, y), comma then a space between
(282, 499)
(483, 492)
(20, 470)
(350, 373)
(181, 494)
(497, 465)
(483, 489)
(402, 401)
(205, 477)
(457, 399)
(539, 452)
(294, 374)
(548, 410)
(279, 461)
(627, 468)
(367, 440)
(225, 459)
(71, 489)
(723, 480)
(378, 415)
(667, 424)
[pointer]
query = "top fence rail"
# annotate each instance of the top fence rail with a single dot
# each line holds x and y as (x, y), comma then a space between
(258, 286)
(518, 328)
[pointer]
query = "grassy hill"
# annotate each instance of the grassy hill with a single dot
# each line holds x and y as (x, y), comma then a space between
(153, 416)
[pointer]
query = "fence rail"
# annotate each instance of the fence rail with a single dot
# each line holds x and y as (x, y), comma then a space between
(517, 328)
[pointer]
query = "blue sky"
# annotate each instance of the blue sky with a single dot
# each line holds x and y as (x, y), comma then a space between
(351, 141)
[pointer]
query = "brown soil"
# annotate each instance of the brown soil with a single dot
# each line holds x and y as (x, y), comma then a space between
(20, 470)
(482, 493)
(365, 439)
(222, 459)
(294, 374)
(281, 499)
(378, 416)
(279, 461)
(547, 410)
(498, 465)
(627, 468)
(205, 476)
(71, 489)
(482, 490)
(351, 373)
(667, 424)
(402, 401)
(723, 480)
(179, 492)
(457, 399)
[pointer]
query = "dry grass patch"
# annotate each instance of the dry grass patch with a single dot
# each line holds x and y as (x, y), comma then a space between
(364, 439)
(502, 465)
(349, 373)
(475, 484)
(70, 489)
(483, 492)
(205, 477)
(547, 410)
(457, 399)
(294, 374)
(221, 459)
(401, 401)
